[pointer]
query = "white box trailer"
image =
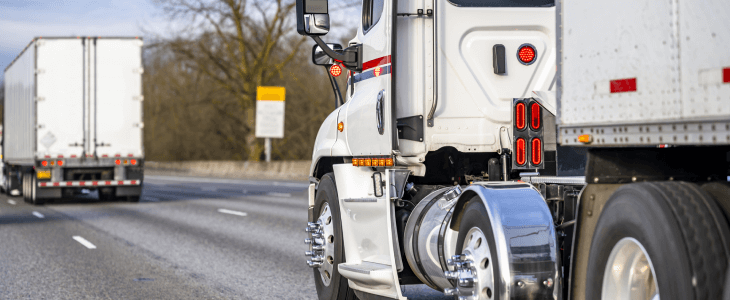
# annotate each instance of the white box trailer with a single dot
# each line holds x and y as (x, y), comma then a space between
(73, 118)
(644, 86)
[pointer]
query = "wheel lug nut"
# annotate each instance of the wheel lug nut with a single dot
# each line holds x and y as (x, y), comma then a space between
(451, 292)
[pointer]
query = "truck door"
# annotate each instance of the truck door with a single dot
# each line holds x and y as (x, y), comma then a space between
(62, 85)
(370, 106)
(118, 101)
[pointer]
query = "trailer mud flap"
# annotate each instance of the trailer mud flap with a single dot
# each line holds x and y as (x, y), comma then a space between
(368, 232)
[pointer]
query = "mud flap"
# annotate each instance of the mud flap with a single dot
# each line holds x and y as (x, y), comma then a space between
(371, 265)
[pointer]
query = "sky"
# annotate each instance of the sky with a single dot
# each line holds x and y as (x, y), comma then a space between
(22, 20)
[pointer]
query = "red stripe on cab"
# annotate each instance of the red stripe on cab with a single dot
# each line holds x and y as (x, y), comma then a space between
(623, 85)
(376, 62)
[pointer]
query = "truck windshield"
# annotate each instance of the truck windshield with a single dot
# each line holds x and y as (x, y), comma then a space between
(503, 3)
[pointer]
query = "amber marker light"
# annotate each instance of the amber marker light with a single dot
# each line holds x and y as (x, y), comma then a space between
(389, 162)
(354, 162)
(585, 138)
(340, 126)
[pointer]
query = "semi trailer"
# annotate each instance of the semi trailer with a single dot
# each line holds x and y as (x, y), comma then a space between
(523, 150)
(73, 119)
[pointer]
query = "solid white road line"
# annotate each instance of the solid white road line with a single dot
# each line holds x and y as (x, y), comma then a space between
(84, 242)
(39, 215)
(287, 195)
(12, 202)
(232, 212)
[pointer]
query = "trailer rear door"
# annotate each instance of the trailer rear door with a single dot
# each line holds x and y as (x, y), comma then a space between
(118, 99)
(60, 85)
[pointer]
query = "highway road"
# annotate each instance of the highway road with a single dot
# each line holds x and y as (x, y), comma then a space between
(188, 238)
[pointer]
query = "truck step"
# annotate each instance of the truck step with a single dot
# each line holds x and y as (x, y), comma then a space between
(368, 274)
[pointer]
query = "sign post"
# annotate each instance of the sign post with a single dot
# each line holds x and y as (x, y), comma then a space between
(270, 115)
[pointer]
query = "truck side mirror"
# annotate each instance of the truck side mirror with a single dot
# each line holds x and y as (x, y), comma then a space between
(320, 58)
(312, 17)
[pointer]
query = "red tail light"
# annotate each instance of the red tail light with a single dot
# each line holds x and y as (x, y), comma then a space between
(520, 151)
(44, 163)
(118, 161)
(60, 163)
(527, 54)
(335, 70)
(133, 161)
(520, 121)
(535, 116)
(536, 151)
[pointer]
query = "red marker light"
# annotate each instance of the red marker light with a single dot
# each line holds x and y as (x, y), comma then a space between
(44, 163)
(535, 116)
(536, 151)
(520, 151)
(118, 162)
(520, 116)
(527, 54)
(335, 70)
(133, 161)
(60, 163)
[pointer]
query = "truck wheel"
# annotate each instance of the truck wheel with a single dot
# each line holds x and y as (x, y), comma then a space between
(721, 192)
(477, 245)
(327, 279)
(33, 189)
(658, 238)
(26, 194)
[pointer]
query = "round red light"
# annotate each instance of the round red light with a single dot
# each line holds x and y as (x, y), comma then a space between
(335, 70)
(118, 162)
(527, 54)
(133, 161)
(60, 163)
(44, 163)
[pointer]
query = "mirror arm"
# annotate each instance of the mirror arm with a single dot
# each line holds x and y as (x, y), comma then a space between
(335, 88)
(350, 57)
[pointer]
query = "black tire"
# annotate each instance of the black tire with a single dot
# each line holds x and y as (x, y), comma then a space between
(680, 227)
(33, 189)
(24, 189)
(338, 288)
(475, 215)
(720, 191)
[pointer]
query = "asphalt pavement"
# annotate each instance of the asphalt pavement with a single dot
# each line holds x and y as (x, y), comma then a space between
(188, 238)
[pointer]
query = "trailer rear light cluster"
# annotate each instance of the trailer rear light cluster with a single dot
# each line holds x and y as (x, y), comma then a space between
(52, 163)
(528, 148)
(372, 162)
(120, 162)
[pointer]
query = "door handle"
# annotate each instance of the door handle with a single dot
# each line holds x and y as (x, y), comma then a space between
(380, 112)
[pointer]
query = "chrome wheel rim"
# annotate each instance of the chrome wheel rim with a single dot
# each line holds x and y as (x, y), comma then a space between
(479, 259)
(327, 239)
(629, 273)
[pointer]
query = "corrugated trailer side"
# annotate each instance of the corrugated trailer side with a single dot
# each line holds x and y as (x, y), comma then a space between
(655, 72)
(19, 108)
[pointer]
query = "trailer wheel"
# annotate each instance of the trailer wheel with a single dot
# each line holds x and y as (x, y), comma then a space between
(476, 243)
(665, 238)
(331, 286)
(25, 185)
(33, 191)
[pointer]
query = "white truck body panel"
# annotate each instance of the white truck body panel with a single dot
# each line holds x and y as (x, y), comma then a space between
(19, 108)
(118, 100)
(68, 95)
(60, 85)
(676, 51)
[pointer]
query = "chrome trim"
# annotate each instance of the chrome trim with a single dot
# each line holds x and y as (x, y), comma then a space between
(577, 180)
(356, 270)
(361, 200)
(520, 240)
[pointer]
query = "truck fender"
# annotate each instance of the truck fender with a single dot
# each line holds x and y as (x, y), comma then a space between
(524, 234)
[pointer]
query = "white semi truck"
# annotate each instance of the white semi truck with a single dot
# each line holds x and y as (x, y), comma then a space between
(531, 149)
(73, 119)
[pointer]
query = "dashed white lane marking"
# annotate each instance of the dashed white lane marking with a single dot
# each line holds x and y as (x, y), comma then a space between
(279, 194)
(39, 215)
(84, 242)
(232, 212)
(12, 202)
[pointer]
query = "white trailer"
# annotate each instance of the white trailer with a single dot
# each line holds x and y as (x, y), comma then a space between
(485, 152)
(73, 118)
